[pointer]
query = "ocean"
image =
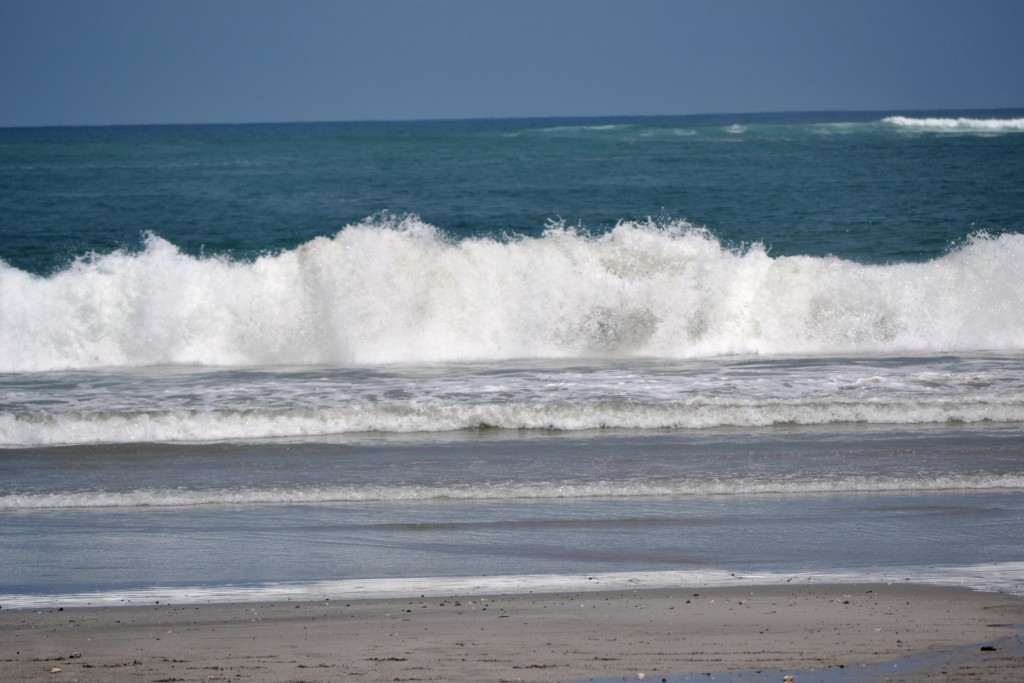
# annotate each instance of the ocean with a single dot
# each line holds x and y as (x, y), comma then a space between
(333, 359)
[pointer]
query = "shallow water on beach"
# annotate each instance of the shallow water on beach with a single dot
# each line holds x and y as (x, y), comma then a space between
(785, 502)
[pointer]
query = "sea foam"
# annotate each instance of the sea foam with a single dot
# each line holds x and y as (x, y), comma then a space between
(519, 490)
(401, 291)
(160, 426)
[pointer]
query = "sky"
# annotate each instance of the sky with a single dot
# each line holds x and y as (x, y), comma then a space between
(100, 62)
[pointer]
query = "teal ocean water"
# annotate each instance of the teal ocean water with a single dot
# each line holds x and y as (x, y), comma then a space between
(867, 187)
(322, 357)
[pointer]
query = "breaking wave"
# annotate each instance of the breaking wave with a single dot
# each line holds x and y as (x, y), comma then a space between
(401, 291)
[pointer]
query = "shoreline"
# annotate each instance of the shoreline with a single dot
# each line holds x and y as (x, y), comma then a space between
(558, 636)
(991, 577)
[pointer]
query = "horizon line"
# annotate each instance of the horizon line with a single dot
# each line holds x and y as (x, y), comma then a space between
(471, 119)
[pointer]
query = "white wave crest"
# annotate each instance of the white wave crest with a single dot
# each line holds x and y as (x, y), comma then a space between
(399, 291)
(958, 124)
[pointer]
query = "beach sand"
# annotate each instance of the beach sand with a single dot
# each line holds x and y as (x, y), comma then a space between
(811, 632)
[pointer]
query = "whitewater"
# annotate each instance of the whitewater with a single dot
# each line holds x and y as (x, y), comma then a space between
(401, 291)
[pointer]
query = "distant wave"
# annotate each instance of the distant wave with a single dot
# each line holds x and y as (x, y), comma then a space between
(179, 497)
(958, 124)
(400, 291)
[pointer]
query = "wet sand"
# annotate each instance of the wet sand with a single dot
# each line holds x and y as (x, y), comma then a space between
(811, 632)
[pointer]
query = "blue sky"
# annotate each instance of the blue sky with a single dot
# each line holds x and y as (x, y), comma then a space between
(69, 62)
